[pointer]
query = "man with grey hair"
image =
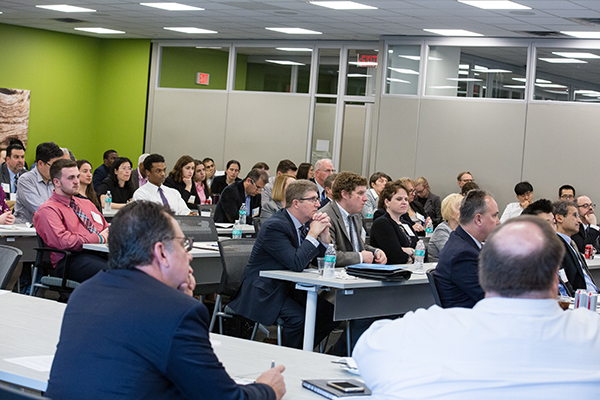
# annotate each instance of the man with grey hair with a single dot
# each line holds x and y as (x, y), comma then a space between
(242, 192)
(323, 168)
(288, 240)
(509, 346)
(456, 272)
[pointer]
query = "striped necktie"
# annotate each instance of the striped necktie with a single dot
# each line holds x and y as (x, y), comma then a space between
(82, 217)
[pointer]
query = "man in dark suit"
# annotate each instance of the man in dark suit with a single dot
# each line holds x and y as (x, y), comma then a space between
(588, 229)
(431, 203)
(323, 168)
(328, 185)
(12, 169)
(102, 171)
(456, 274)
(238, 193)
(288, 240)
(138, 175)
(149, 338)
(574, 272)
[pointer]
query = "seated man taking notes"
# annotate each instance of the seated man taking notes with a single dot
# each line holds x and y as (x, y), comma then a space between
(135, 331)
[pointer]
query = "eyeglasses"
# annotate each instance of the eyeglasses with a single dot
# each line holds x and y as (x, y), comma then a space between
(257, 187)
(311, 199)
(327, 171)
(188, 243)
(567, 197)
(587, 206)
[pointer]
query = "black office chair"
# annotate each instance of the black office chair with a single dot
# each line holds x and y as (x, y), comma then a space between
(9, 258)
(367, 223)
(43, 265)
(201, 229)
(8, 393)
(208, 209)
(433, 286)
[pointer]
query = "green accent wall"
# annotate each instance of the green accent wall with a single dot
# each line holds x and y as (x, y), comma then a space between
(179, 66)
(87, 94)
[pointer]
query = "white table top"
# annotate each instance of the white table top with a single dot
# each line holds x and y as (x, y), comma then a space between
(196, 252)
(16, 230)
(227, 229)
(109, 214)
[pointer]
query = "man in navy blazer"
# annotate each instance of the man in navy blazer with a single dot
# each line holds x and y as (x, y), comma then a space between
(288, 240)
(246, 191)
(135, 331)
(456, 274)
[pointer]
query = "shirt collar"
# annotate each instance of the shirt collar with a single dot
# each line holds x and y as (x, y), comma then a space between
(41, 179)
(61, 199)
(505, 305)
(297, 223)
(477, 242)
(565, 237)
(345, 213)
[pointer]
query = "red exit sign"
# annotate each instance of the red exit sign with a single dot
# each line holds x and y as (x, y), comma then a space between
(367, 60)
(202, 78)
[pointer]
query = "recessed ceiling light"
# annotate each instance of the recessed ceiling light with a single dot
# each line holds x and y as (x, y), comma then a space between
(452, 32)
(172, 6)
(583, 34)
(515, 86)
(493, 71)
(563, 61)
(550, 85)
(397, 80)
(190, 30)
(465, 79)
(98, 30)
(284, 62)
(495, 5)
(463, 72)
(343, 5)
(418, 58)
(295, 31)
(573, 54)
(66, 8)
(463, 66)
(359, 76)
(293, 49)
(404, 71)
(443, 87)
(363, 63)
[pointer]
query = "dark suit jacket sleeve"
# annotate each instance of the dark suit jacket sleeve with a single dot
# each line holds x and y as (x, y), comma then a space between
(228, 206)
(196, 371)
(465, 273)
(384, 235)
(435, 211)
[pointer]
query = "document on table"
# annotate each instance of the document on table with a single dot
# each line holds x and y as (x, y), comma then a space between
(38, 363)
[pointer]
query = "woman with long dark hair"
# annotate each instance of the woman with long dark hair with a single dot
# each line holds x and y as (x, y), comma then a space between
(181, 178)
(118, 182)
(86, 188)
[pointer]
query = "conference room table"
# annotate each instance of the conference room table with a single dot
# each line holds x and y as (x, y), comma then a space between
(357, 298)
(22, 237)
(31, 328)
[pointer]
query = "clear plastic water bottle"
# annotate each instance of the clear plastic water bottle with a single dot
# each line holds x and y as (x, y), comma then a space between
(329, 269)
(108, 201)
(243, 213)
(429, 228)
(236, 233)
(419, 256)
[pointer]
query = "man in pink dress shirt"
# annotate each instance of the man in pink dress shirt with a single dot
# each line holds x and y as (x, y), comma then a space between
(66, 221)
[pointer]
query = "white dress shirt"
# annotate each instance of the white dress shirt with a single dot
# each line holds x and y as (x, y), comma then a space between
(512, 210)
(500, 349)
(150, 192)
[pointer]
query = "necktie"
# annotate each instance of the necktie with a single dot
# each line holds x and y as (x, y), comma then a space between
(352, 233)
(82, 217)
(303, 232)
(16, 179)
(162, 196)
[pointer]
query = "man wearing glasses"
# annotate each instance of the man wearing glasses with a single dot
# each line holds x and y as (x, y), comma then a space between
(242, 192)
(288, 240)
(588, 229)
(323, 168)
(135, 331)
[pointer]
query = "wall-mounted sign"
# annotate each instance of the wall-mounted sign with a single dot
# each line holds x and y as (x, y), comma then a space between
(202, 78)
(366, 60)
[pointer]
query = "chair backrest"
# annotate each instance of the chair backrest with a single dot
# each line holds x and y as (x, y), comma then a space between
(42, 258)
(367, 223)
(9, 258)
(207, 208)
(8, 393)
(431, 278)
(235, 254)
(201, 229)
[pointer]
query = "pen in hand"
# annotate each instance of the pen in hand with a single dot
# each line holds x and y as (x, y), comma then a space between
(272, 363)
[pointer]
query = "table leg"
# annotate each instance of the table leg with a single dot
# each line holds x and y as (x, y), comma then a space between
(310, 316)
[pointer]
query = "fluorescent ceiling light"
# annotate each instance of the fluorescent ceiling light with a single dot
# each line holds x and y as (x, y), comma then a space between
(563, 60)
(404, 71)
(343, 5)
(66, 8)
(98, 30)
(463, 66)
(189, 30)
(570, 54)
(557, 91)
(493, 71)
(495, 5)
(515, 86)
(293, 49)
(583, 34)
(359, 76)
(397, 80)
(443, 87)
(519, 79)
(463, 72)
(587, 92)
(284, 62)
(418, 58)
(465, 79)
(452, 32)
(172, 6)
(363, 63)
(214, 48)
(536, 81)
(295, 31)
(550, 85)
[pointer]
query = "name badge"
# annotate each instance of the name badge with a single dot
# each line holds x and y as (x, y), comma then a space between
(192, 199)
(420, 217)
(96, 217)
(563, 275)
(255, 212)
(6, 187)
(408, 229)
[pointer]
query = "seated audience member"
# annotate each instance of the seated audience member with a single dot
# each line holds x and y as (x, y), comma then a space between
(524, 192)
(12, 169)
(305, 171)
(388, 232)
(566, 193)
(506, 347)
(588, 229)
(467, 187)
(288, 240)
(202, 187)
(349, 196)
(431, 203)
(262, 165)
(138, 175)
(377, 182)
(86, 188)
(463, 178)
(68, 154)
(35, 186)
(242, 192)
(210, 169)
(323, 168)
(278, 199)
(451, 215)
(231, 175)
(574, 272)
(6, 217)
(102, 171)
(456, 272)
(416, 213)
(154, 331)
(155, 191)
(66, 221)
(284, 167)
(119, 183)
(543, 209)
(181, 178)
(328, 184)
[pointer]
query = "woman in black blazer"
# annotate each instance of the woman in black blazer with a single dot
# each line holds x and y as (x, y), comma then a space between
(389, 233)
(181, 178)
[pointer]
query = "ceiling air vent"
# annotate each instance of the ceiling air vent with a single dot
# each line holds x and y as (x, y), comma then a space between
(69, 20)
(544, 34)
(586, 21)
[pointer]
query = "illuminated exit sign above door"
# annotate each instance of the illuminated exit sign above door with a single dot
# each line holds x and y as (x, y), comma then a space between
(202, 78)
